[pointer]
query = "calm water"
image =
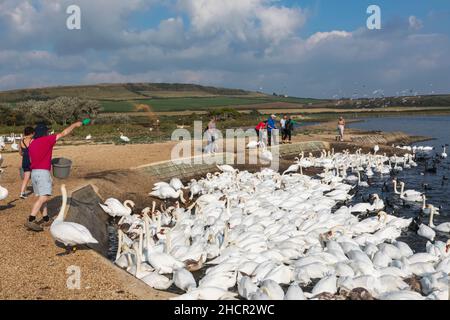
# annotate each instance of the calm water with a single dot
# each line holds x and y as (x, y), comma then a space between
(435, 185)
(437, 127)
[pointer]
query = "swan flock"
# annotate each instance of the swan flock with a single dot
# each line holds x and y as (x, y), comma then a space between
(266, 235)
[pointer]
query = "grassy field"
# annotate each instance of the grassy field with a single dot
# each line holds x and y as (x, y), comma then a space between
(203, 103)
(180, 104)
(117, 106)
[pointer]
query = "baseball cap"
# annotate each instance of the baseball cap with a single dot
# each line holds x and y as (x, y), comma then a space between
(41, 130)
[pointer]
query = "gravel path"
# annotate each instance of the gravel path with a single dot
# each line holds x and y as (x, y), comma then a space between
(32, 267)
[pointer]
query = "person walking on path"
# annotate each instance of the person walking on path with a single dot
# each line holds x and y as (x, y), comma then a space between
(40, 151)
(26, 164)
(211, 147)
(341, 128)
(271, 125)
(289, 127)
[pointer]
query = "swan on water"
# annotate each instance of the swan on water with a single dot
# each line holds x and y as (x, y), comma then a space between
(378, 204)
(426, 232)
(444, 152)
(443, 227)
(410, 195)
(69, 233)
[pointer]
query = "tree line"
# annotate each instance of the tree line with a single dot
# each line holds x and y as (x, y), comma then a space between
(61, 111)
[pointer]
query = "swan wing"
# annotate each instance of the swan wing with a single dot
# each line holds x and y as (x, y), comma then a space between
(71, 233)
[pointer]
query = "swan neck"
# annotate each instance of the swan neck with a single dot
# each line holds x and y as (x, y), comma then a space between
(168, 243)
(60, 216)
(431, 222)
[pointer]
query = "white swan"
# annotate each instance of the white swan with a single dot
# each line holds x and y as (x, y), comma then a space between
(184, 280)
(444, 152)
(167, 192)
(443, 227)
(246, 287)
(157, 281)
(426, 232)
(69, 233)
(410, 195)
(361, 207)
(176, 184)
(292, 169)
(115, 208)
(252, 145)
(3, 191)
(14, 145)
(294, 292)
(426, 208)
(378, 204)
(226, 168)
(376, 148)
(163, 262)
(124, 138)
(265, 154)
(272, 290)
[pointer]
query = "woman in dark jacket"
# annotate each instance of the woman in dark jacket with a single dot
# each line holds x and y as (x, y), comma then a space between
(26, 164)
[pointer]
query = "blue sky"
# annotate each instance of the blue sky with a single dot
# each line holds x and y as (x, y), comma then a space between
(311, 48)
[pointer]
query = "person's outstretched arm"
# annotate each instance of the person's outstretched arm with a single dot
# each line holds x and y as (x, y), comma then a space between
(69, 130)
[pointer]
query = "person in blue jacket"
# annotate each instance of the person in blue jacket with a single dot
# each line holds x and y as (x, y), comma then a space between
(271, 125)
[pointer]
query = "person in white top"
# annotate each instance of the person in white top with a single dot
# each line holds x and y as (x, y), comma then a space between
(283, 129)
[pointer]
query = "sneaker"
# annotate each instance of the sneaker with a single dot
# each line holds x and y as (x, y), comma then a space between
(23, 196)
(44, 223)
(33, 226)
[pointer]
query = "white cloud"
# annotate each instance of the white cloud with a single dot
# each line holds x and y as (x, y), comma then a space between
(323, 36)
(233, 43)
(415, 23)
(243, 20)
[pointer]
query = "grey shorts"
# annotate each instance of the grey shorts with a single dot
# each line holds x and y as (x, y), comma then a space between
(42, 182)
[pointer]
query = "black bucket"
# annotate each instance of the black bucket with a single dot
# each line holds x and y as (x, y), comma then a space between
(61, 167)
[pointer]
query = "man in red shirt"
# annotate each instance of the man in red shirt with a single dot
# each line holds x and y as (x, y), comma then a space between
(40, 151)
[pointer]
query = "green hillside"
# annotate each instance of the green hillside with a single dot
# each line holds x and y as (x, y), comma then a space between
(125, 91)
(158, 97)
